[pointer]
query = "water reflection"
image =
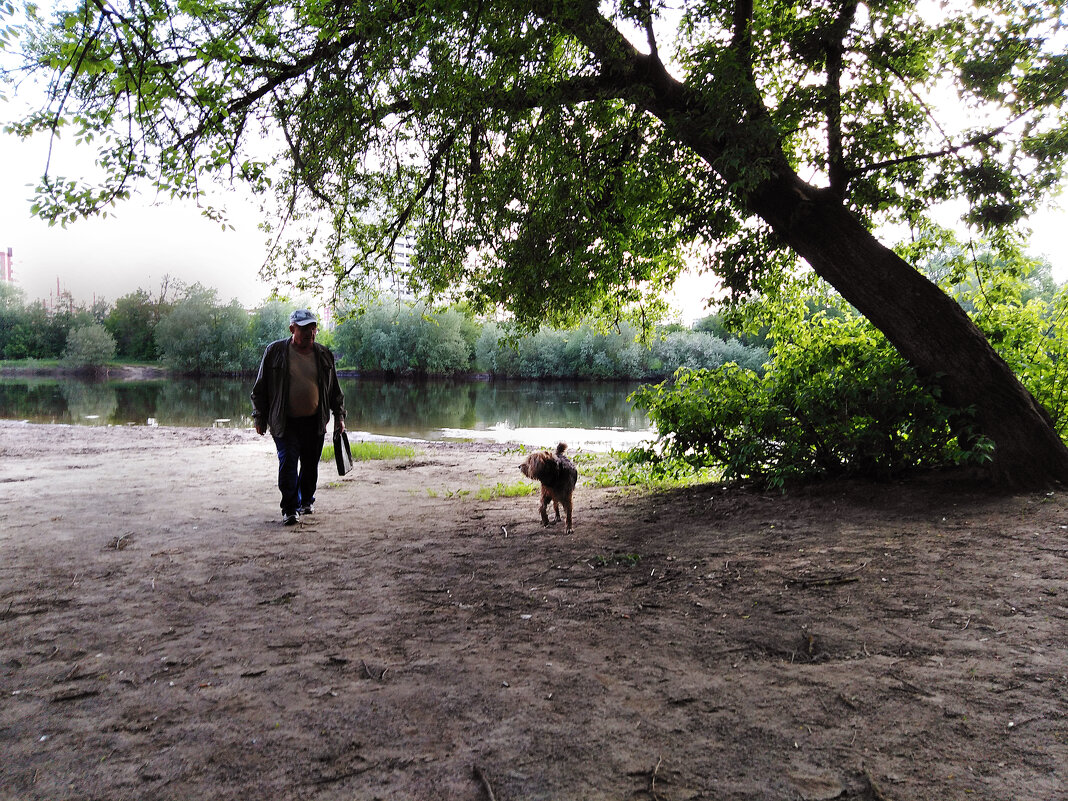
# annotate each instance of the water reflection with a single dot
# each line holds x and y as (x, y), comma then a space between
(586, 414)
(89, 401)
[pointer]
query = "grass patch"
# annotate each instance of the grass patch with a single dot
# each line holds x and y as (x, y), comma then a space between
(519, 489)
(371, 451)
(448, 493)
(636, 471)
(30, 364)
(616, 559)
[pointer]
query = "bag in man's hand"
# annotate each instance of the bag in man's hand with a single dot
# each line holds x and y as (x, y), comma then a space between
(342, 453)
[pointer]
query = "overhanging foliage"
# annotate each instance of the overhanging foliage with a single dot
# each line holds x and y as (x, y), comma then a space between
(542, 160)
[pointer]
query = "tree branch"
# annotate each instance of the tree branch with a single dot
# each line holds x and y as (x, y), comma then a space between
(396, 227)
(742, 37)
(650, 34)
(299, 166)
(980, 139)
(834, 48)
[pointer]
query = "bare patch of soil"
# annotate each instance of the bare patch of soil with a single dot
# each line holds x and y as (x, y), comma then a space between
(162, 636)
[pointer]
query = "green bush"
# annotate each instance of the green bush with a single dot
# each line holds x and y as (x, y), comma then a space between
(201, 335)
(266, 324)
(132, 321)
(835, 400)
(89, 346)
(1031, 333)
(586, 352)
(405, 340)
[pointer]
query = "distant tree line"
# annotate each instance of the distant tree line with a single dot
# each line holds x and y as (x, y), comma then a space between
(189, 329)
(416, 340)
(185, 328)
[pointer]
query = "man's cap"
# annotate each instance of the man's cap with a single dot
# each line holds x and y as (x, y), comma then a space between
(302, 317)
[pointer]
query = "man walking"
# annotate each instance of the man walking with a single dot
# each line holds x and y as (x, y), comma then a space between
(296, 391)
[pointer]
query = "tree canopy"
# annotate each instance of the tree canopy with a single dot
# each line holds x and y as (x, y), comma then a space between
(540, 147)
(557, 157)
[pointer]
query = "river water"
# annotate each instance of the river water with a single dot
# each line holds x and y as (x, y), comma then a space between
(592, 415)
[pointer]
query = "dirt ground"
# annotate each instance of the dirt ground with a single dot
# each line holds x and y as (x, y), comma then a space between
(162, 636)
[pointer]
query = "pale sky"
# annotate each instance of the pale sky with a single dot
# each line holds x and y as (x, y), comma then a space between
(135, 246)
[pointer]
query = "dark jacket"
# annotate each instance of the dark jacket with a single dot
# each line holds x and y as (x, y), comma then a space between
(270, 393)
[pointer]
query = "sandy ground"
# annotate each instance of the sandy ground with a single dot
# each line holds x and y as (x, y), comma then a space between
(162, 636)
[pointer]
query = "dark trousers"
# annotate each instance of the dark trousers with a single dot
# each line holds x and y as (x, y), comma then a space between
(299, 451)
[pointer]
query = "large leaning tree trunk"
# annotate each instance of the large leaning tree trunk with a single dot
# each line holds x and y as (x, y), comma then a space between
(925, 325)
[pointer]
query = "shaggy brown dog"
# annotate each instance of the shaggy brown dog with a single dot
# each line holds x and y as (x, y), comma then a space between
(558, 478)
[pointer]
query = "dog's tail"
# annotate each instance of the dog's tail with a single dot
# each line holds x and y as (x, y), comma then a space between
(561, 448)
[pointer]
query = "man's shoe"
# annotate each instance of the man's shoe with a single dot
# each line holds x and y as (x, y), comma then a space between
(306, 510)
(289, 518)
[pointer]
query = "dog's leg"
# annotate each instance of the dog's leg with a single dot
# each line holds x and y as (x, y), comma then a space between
(567, 511)
(556, 508)
(545, 496)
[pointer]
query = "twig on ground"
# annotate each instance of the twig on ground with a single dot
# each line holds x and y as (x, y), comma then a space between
(909, 686)
(481, 776)
(652, 778)
(1054, 551)
(834, 579)
(71, 675)
(825, 582)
